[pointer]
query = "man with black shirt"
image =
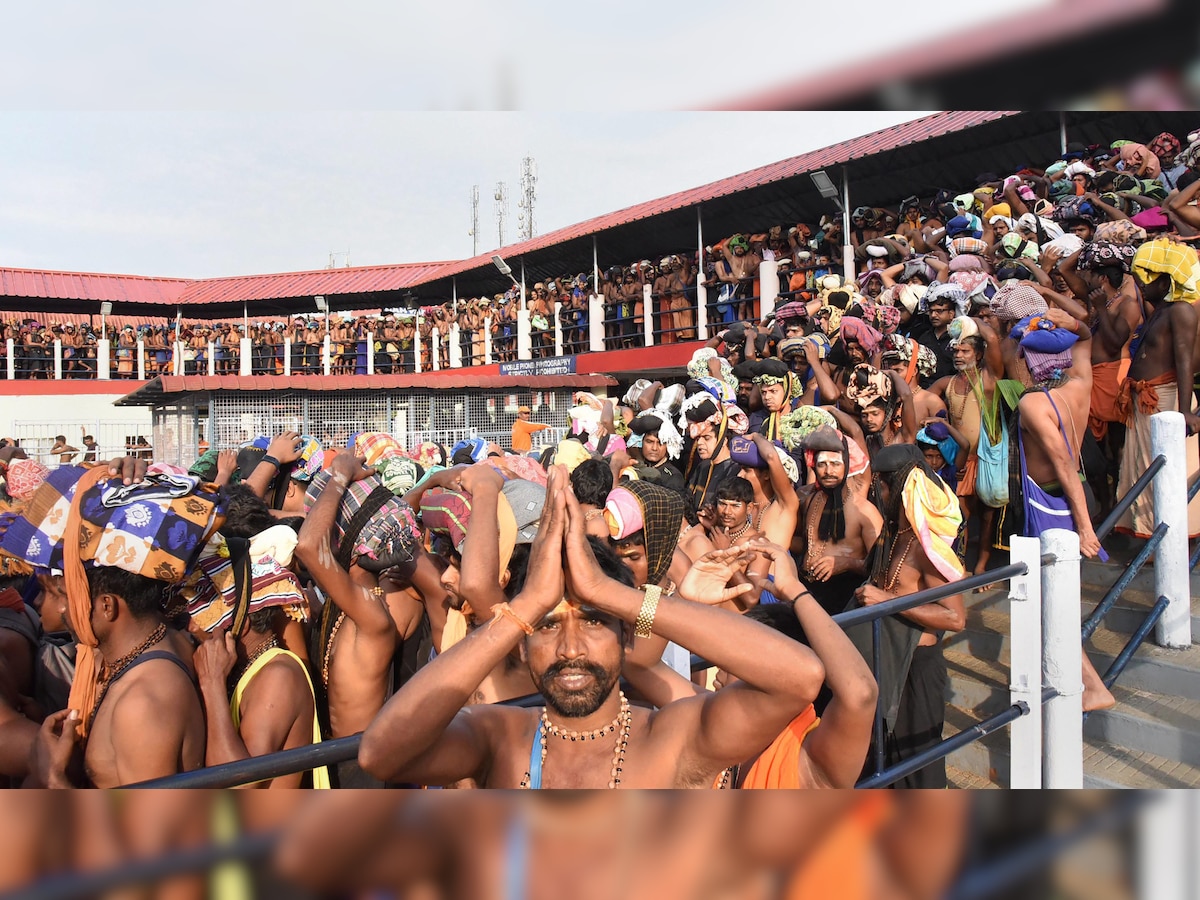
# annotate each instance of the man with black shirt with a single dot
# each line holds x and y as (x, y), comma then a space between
(932, 331)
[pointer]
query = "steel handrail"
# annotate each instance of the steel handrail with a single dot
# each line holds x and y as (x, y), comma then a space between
(1118, 588)
(1132, 494)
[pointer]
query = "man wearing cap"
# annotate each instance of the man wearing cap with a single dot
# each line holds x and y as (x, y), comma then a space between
(571, 623)
(523, 430)
(836, 527)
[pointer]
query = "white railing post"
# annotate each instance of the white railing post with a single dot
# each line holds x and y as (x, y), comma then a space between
(558, 334)
(1168, 436)
(768, 286)
(10, 347)
(648, 318)
(701, 308)
(287, 357)
(455, 346)
(370, 353)
(141, 361)
(245, 356)
(325, 355)
(417, 346)
(1025, 639)
(524, 338)
(437, 350)
(103, 372)
(595, 323)
(1062, 662)
(212, 358)
(57, 360)
(487, 340)
(1166, 852)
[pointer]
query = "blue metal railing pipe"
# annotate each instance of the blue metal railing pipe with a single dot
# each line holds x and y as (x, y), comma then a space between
(1132, 494)
(1118, 588)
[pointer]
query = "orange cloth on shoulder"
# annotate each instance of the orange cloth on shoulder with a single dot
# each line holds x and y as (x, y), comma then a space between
(779, 765)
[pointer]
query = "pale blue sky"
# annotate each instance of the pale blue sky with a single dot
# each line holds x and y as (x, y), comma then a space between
(205, 194)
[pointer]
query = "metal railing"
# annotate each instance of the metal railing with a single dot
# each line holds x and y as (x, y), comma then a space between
(1135, 491)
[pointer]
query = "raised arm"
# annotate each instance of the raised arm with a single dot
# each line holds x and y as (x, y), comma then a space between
(479, 578)
(285, 448)
(318, 553)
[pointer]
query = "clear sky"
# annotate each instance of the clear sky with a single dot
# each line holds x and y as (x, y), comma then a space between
(200, 194)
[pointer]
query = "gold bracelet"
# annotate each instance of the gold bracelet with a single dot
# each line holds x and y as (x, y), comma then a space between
(503, 610)
(645, 621)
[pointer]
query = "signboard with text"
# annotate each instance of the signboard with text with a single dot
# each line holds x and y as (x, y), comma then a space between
(559, 365)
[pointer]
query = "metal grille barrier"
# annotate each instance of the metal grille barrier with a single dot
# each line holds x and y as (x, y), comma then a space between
(112, 438)
(226, 421)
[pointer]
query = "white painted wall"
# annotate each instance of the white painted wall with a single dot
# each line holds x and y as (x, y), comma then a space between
(23, 418)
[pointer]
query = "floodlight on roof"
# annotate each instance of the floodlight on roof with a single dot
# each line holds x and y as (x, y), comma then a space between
(824, 185)
(322, 306)
(500, 264)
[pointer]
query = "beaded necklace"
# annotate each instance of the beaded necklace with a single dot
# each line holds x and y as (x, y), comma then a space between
(736, 535)
(263, 648)
(621, 724)
(894, 574)
(120, 665)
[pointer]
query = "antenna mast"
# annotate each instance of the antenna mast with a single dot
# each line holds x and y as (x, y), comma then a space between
(528, 197)
(501, 198)
(474, 232)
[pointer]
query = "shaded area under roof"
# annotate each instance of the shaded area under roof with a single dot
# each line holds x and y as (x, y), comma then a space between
(158, 390)
(945, 150)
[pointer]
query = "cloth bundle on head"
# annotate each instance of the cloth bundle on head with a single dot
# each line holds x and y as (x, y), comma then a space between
(1013, 246)
(205, 468)
(793, 311)
(978, 286)
(935, 434)
(790, 348)
(517, 467)
(943, 292)
(571, 454)
(867, 384)
(655, 511)
(526, 500)
(23, 477)
(964, 246)
(399, 474)
(311, 461)
(1046, 347)
(1101, 254)
(910, 296)
(698, 367)
(932, 509)
(744, 452)
(963, 226)
(376, 522)
(961, 327)
(1016, 300)
(448, 514)
(803, 421)
(652, 421)
(429, 454)
(901, 350)
(376, 446)
(634, 394)
(1177, 261)
(1122, 231)
(864, 335)
(476, 447)
(210, 592)
(1165, 145)
(701, 409)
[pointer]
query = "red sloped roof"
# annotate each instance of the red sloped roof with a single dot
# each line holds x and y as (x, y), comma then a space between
(90, 286)
(357, 280)
(150, 392)
(912, 132)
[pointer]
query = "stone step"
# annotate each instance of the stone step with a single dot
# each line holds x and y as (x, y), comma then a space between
(968, 781)
(1108, 766)
(1153, 723)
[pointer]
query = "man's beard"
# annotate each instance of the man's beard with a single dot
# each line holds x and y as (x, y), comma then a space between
(965, 368)
(581, 703)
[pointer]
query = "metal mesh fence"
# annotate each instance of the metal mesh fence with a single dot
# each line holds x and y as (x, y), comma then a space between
(111, 438)
(225, 421)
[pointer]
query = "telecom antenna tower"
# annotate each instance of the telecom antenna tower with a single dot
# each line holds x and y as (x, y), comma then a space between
(501, 198)
(474, 232)
(528, 197)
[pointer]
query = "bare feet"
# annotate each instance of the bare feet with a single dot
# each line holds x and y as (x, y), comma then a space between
(1095, 694)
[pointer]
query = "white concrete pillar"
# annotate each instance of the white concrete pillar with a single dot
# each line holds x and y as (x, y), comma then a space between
(455, 346)
(417, 346)
(1168, 436)
(701, 308)
(9, 349)
(177, 364)
(648, 318)
(1166, 846)
(436, 350)
(1025, 638)
(524, 338)
(325, 355)
(595, 323)
(370, 353)
(246, 356)
(57, 360)
(1062, 662)
(141, 360)
(103, 373)
(287, 357)
(558, 332)
(768, 286)
(212, 358)
(487, 340)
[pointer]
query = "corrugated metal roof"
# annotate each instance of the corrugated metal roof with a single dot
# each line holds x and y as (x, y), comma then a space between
(912, 132)
(154, 391)
(90, 286)
(330, 282)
